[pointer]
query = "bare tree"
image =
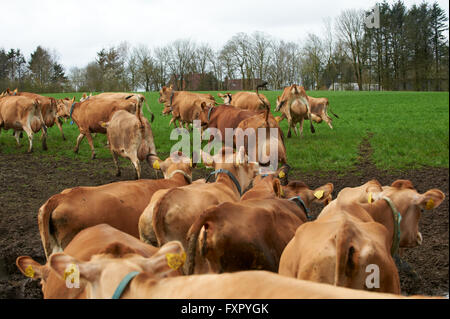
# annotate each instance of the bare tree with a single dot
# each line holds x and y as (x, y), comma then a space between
(181, 62)
(350, 30)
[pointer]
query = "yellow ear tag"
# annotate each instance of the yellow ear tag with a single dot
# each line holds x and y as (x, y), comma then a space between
(29, 272)
(281, 174)
(190, 163)
(281, 192)
(156, 165)
(318, 194)
(369, 198)
(175, 261)
(430, 204)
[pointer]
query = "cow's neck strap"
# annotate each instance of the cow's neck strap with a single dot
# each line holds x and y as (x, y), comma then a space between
(123, 284)
(179, 171)
(209, 112)
(298, 200)
(230, 175)
(397, 219)
(71, 111)
(171, 98)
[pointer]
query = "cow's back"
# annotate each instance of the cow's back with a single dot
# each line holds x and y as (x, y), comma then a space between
(90, 114)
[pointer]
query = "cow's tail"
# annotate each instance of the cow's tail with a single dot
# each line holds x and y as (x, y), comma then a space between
(267, 106)
(138, 115)
(331, 111)
(346, 254)
(192, 239)
(159, 214)
(44, 217)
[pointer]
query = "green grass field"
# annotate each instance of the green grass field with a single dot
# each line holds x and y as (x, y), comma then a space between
(410, 130)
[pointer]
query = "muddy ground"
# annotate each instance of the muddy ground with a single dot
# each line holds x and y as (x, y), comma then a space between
(27, 181)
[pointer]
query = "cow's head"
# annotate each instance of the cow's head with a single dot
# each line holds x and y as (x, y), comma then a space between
(63, 107)
(177, 161)
(164, 94)
(321, 194)
(410, 204)
(235, 162)
(226, 97)
(103, 273)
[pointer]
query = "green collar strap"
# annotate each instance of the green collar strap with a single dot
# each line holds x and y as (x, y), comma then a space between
(397, 219)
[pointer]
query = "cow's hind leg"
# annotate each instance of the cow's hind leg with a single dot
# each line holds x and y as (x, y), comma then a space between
(137, 167)
(59, 124)
(79, 139)
(17, 137)
(116, 162)
(30, 138)
(289, 134)
(301, 127)
(328, 120)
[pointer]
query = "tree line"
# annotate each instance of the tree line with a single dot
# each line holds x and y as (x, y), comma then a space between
(407, 51)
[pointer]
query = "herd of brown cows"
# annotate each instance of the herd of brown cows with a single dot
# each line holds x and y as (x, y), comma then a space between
(244, 234)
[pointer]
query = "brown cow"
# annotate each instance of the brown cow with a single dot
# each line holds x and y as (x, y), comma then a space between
(130, 136)
(139, 98)
(295, 106)
(352, 237)
(22, 113)
(245, 100)
(170, 214)
(91, 113)
(118, 204)
(185, 106)
(267, 121)
(167, 95)
(103, 273)
(99, 239)
(252, 233)
(48, 108)
(319, 111)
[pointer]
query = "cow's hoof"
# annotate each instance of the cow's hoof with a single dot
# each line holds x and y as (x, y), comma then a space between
(75, 150)
(44, 147)
(30, 151)
(118, 174)
(64, 138)
(93, 156)
(289, 134)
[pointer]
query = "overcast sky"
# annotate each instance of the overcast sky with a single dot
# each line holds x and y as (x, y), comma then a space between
(76, 30)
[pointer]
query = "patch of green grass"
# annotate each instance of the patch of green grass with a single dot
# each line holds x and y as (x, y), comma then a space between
(410, 130)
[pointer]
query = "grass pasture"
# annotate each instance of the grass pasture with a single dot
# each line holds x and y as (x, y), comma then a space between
(406, 130)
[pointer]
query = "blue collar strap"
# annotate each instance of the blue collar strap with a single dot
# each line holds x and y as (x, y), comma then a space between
(71, 111)
(298, 200)
(397, 219)
(209, 113)
(123, 284)
(221, 170)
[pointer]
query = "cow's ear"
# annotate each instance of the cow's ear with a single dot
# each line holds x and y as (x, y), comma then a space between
(278, 190)
(167, 262)
(323, 193)
(29, 267)
(154, 161)
(73, 99)
(65, 265)
(430, 200)
(203, 105)
(221, 95)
